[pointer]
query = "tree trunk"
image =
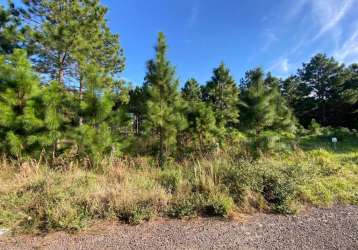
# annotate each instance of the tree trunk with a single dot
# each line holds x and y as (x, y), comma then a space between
(161, 147)
(137, 124)
(61, 71)
(81, 98)
(61, 76)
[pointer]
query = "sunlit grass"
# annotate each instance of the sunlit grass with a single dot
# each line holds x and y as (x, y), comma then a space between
(35, 198)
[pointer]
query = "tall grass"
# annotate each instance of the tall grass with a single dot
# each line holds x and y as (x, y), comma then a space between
(37, 198)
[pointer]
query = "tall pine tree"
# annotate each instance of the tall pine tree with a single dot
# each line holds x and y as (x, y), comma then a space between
(103, 117)
(191, 91)
(68, 36)
(349, 97)
(222, 94)
(164, 107)
(257, 111)
(202, 131)
(284, 121)
(322, 80)
(21, 121)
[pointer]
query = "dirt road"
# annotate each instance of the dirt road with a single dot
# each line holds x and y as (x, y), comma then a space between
(334, 228)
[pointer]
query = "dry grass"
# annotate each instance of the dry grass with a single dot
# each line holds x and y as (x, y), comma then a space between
(35, 198)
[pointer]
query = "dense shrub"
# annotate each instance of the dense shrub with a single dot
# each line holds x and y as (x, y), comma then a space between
(279, 191)
(218, 204)
(170, 178)
(135, 215)
(184, 207)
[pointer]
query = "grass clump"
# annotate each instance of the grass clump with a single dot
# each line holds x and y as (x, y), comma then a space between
(46, 201)
(170, 178)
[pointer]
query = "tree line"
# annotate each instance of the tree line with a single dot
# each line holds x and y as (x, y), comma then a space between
(61, 94)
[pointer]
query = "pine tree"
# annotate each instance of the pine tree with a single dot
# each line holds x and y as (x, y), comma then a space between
(284, 120)
(164, 113)
(322, 80)
(100, 131)
(202, 130)
(257, 111)
(350, 88)
(20, 118)
(59, 114)
(192, 91)
(73, 43)
(11, 34)
(222, 94)
(349, 99)
(68, 36)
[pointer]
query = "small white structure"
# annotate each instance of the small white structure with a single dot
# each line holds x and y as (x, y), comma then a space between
(334, 142)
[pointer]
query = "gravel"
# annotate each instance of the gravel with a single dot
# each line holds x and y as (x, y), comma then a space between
(334, 228)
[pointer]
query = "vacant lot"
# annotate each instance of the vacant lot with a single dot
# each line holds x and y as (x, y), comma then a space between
(36, 198)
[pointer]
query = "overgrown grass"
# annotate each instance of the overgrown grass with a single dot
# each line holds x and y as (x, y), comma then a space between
(37, 199)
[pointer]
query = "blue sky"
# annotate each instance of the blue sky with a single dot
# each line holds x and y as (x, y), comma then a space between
(277, 35)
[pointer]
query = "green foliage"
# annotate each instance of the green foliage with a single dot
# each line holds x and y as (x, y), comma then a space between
(324, 90)
(10, 32)
(135, 216)
(191, 91)
(284, 117)
(279, 190)
(238, 179)
(21, 121)
(41, 200)
(218, 204)
(93, 143)
(46, 204)
(202, 130)
(137, 107)
(315, 127)
(203, 127)
(69, 36)
(183, 207)
(257, 110)
(164, 114)
(263, 107)
(170, 178)
(222, 94)
(101, 118)
(260, 163)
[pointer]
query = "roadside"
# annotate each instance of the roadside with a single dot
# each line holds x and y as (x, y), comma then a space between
(334, 228)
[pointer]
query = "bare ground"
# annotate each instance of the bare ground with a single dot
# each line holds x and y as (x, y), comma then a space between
(334, 228)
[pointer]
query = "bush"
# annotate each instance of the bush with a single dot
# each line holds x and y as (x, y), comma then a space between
(315, 128)
(238, 179)
(270, 141)
(218, 204)
(183, 208)
(279, 190)
(170, 178)
(136, 215)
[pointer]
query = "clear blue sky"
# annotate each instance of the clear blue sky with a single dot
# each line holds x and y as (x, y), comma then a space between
(276, 34)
